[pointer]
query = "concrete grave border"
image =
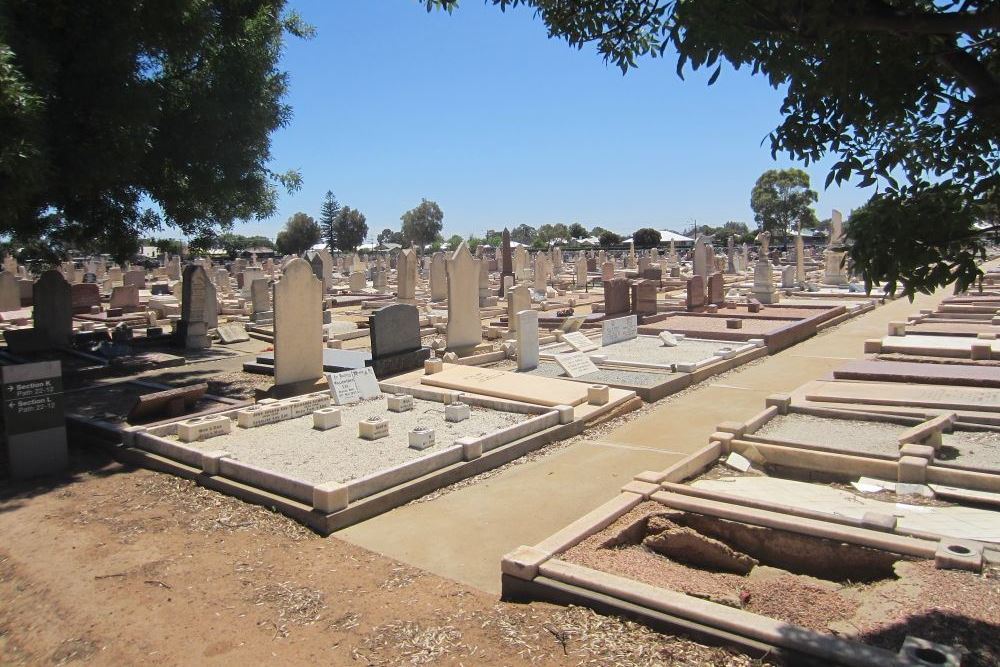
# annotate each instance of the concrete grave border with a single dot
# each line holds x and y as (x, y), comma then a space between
(330, 507)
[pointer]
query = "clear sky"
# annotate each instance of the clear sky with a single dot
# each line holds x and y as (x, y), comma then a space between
(481, 112)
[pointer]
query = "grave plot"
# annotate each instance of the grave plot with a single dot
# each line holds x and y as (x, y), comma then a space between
(732, 558)
(682, 354)
(970, 375)
(972, 404)
(102, 411)
(849, 445)
(956, 347)
(649, 385)
(330, 459)
(777, 334)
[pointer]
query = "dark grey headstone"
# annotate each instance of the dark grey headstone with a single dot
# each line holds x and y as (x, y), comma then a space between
(394, 329)
(53, 308)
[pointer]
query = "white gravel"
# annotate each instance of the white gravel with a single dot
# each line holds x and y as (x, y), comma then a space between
(853, 435)
(294, 448)
(651, 350)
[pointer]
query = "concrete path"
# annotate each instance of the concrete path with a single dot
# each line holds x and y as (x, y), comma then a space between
(462, 535)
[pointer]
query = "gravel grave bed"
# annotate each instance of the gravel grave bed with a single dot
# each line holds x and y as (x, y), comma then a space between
(976, 449)
(294, 448)
(854, 435)
(651, 350)
(606, 375)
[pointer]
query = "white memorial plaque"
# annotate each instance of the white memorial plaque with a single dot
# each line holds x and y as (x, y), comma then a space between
(619, 329)
(367, 383)
(575, 364)
(579, 342)
(669, 340)
(343, 388)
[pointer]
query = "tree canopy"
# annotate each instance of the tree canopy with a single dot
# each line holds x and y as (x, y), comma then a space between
(647, 237)
(300, 233)
(608, 238)
(423, 224)
(782, 200)
(901, 93)
(328, 212)
(350, 229)
(119, 117)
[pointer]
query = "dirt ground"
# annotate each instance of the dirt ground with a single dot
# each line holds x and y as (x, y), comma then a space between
(111, 565)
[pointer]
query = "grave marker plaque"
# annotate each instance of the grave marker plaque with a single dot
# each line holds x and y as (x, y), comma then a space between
(579, 342)
(575, 364)
(34, 418)
(619, 329)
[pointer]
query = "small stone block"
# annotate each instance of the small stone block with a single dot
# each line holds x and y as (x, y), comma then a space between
(472, 448)
(523, 562)
(565, 413)
(897, 329)
(330, 497)
(955, 554)
(981, 351)
(644, 489)
(753, 307)
(326, 418)
(263, 413)
(738, 429)
(457, 412)
(432, 366)
(373, 428)
(202, 428)
(873, 346)
(986, 336)
(598, 394)
(712, 308)
(917, 652)
(649, 476)
(210, 461)
(725, 439)
(922, 451)
(452, 397)
(734, 323)
(421, 438)
(335, 344)
(878, 521)
(400, 403)
(780, 401)
(912, 470)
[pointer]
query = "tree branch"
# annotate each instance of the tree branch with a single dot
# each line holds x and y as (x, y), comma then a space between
(940, 23)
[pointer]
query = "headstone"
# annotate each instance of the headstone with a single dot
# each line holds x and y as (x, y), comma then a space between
(542, 271)
(527, 340)
(439, 277)
(395, 340)
(464, 326)
(700, 259)
(607, 271)
(616, 297)
(788, 276)
(644, 297)
(406, 276)
(124, 297)
(575, 364)
(581, 271)
(192, 330)
(10, 293)
(232, 332)
(695, 292)
(53, 308)
(579, 342)
(84, 297)
(763, 283)
(298, 325)
(716, 289)
(800, 260)
(260, 296)
(357, 281)
(136, 277)
(518, 299)
(34, 418)
(618, 330)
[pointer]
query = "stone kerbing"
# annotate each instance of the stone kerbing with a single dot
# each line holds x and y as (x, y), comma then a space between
(523, 562)
(755, 423)
(899, 544)
(780, 401)
(778, 633)
(404, 472)
(929, 432)
(268, 480)
(330, 497)
(811, 459)
(590, 523)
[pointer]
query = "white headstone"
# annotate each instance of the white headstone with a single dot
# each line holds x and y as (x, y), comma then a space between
(527, 340)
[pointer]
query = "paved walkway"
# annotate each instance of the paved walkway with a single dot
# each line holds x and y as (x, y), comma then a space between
(462, 535)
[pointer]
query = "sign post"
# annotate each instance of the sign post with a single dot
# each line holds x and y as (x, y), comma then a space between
(34, 419)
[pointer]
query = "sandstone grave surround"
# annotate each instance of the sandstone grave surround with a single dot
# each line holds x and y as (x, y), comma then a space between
(955, 448)
(649, 352)
(958, 347)
(777, 334)
(331, 478)
(538, 573)
(649, 385)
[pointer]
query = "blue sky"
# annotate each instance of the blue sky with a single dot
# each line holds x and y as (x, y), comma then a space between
(480, 111)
